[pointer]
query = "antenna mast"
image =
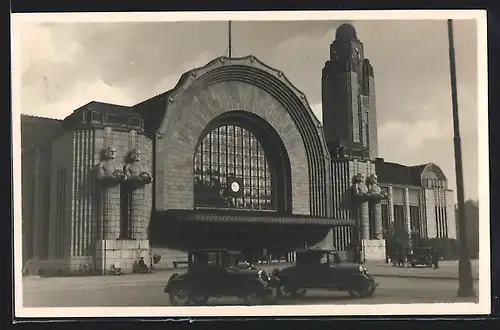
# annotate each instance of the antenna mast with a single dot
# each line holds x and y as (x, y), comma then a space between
(229, 36)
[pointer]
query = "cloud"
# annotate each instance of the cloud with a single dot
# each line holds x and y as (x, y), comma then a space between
(81, 94)
(37, 44)
(411, 135)
(172, 79)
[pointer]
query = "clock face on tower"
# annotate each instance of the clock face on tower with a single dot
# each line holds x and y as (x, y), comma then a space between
(235, 186)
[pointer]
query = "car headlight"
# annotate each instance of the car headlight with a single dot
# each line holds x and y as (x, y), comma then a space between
(362, 269)
(263, 275)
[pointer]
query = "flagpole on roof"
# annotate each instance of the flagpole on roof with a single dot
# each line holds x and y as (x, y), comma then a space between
(229, 36)
(465, 281)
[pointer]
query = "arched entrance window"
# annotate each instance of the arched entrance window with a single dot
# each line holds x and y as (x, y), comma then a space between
(231, 171)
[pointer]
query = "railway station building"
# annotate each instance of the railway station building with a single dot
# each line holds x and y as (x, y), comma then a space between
(231, 157)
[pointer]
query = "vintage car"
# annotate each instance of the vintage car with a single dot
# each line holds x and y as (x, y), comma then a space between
(421, 256)
(323, 269)
(220, 273)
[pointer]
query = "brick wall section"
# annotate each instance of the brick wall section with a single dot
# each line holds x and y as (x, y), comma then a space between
(189, 115)
(36, 139)
(60, 233)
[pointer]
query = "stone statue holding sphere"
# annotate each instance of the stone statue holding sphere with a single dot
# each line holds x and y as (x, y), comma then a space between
(107, 169)
(373, 187)
(358, 186)
(135, 172)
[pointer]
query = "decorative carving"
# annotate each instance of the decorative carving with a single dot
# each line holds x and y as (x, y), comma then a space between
(135, 173)
(373, 188)
(108, 171)
(359, 189)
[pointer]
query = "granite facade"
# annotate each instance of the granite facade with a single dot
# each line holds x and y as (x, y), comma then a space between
(72, 218)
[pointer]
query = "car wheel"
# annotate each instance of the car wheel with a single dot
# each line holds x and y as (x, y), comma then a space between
(365, 289)
(289, 289)
(253, 298)
(273, 294)
(178, 295)
(199, 300)
(372, 289)
(299, 293)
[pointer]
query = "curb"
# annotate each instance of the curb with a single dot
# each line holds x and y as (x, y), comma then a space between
(420, 277)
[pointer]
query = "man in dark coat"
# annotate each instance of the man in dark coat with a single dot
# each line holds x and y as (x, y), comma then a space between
(435, 258)
(357, 254)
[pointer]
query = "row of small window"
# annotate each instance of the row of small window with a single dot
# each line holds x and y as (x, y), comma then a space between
(231, 129)
(222, 196)
(239, 162)
(253, 181)
(230, 159)
(228, 137)
(222, 171)
(215, 166)
(433, 183)
(253, 186)
(232, 150)
(235, 203)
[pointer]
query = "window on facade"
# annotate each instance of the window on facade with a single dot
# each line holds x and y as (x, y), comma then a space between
(60, 213)
(227, 153)
(385, 217)
(46, 219)
(399, 217)
(415, 224)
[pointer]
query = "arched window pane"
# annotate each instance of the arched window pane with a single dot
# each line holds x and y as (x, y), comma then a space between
(232, 152)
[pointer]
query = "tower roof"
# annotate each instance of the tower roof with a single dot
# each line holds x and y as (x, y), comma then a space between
(346, 32)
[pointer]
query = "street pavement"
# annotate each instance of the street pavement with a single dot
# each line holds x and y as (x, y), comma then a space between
(396, 285)
(447, 270)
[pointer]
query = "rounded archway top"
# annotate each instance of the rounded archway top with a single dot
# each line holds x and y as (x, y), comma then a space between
(247, 65)
(346, 32)
(431, 167)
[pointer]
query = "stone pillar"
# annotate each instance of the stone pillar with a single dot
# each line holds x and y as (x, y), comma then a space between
(111, 211)
(407, 213)
(139, 181)
(364, 220)
(390, 206)
(39, 211)
(379, 228)
(138, 214)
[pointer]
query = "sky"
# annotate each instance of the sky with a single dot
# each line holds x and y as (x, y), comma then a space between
(66, 65)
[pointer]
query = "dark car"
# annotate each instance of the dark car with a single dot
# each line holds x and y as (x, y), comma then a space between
(219, 273)
(421, 256)
(323, 269)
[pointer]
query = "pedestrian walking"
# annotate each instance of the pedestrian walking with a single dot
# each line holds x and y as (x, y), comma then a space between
(435, 258)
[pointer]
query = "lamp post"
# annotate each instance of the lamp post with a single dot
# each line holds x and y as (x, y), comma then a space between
(465, 281)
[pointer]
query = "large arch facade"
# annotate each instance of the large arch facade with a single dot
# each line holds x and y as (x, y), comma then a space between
(245, 84)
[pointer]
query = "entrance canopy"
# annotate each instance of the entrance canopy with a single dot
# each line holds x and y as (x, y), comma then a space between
(244, 217)
(239, 230)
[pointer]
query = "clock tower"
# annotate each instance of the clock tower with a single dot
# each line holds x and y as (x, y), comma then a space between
(348, 98)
